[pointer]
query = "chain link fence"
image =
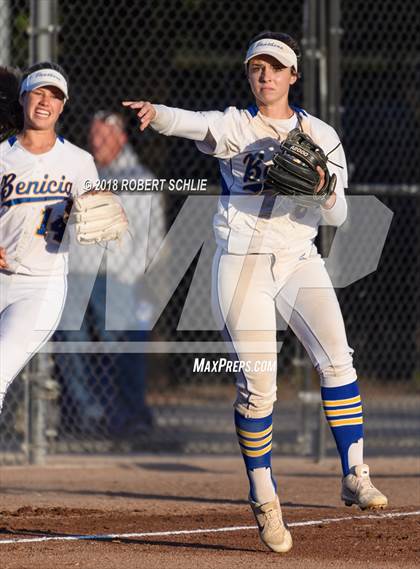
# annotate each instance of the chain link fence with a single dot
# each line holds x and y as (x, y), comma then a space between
(188, 53)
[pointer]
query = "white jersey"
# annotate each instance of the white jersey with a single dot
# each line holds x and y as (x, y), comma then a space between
(34, 192)
(246, 141)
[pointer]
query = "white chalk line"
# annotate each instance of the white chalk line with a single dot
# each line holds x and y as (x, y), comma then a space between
(116, 536)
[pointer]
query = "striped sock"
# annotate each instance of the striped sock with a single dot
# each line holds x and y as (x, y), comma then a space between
(255, 440)
(343, 410)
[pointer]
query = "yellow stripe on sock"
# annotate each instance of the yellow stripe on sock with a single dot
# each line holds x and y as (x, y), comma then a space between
(343, 422)
(254, 453)
(253, 444)
(343, 412)
(339, 402)
(250, 435)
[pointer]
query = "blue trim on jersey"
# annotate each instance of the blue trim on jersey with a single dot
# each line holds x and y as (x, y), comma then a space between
(299, 110)
(12, 140)
(252, 110)
(61, 138)
(18, 201)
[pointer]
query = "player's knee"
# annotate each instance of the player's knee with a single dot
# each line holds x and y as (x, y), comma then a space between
(255, 405)
(334, 375)
(251, 411)
(339, 371)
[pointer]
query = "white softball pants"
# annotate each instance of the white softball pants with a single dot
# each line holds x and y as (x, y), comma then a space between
(30, 310)
(248, 290)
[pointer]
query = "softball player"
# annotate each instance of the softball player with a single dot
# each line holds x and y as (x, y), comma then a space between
(267, 260)
(39, 172)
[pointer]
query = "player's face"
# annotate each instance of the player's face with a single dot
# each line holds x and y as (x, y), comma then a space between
(106, 141)
(42, 107)
(270, 81)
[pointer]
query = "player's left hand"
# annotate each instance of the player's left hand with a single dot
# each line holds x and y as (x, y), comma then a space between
(3, 262)
(299, 170)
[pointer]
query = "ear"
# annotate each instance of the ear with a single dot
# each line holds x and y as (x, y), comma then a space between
(21, 99)
(123, 137)
(63, 102)
(293, 77)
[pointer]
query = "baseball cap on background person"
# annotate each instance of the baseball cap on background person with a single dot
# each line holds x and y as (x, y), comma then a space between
(42, 75)
(110, 117)
(276, 48)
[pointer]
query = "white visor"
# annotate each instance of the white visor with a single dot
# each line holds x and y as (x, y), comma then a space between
(277, 49)
(45, 77)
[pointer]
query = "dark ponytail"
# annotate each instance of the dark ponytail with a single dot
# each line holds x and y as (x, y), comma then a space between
(11, 112)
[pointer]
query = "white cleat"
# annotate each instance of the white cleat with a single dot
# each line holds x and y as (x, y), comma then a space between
(273, 532)
(358, 489)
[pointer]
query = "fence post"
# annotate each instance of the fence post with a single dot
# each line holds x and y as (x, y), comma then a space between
(43, 31)
(37, 412)
(334, 65)
(5, 32)
(310, 60)
(42, 390)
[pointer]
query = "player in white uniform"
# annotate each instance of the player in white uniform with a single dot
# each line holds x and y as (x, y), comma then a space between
(266, 259)
(39, 172)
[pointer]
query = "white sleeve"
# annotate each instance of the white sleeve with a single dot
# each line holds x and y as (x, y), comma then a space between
(88, 173)
(336, 165)
(225, 138)
(214, 132)
(337, 214)
(171, 121)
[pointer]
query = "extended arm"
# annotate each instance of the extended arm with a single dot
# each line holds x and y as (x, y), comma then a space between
(172, 121)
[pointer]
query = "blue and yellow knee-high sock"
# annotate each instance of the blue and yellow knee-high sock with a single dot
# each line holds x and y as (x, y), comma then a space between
(255, 438)
(343, 410)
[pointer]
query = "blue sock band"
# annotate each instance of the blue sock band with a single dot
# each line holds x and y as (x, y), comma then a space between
(343, 410)
(255, 438)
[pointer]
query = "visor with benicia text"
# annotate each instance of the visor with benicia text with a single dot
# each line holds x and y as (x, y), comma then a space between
(44, 77)
(277, 49)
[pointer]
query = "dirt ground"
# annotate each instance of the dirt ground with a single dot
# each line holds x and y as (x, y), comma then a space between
(93, 497)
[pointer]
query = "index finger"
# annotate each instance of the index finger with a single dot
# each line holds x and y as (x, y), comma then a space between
(130, 103)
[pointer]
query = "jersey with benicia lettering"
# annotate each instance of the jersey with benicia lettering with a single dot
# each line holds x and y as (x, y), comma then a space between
(34, 192)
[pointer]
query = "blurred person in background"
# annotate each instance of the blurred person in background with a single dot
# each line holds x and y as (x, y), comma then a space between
(110, 388)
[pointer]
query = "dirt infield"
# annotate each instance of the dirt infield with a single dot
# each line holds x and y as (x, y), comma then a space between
(78, 503)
